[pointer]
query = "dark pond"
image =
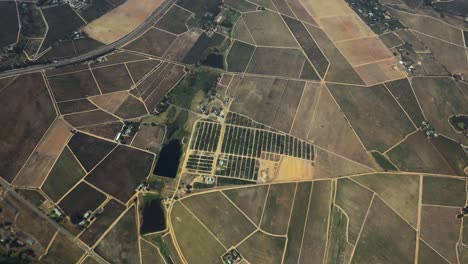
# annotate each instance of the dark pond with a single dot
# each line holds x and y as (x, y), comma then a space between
(153, 216)
(168, 160)
(214, 60)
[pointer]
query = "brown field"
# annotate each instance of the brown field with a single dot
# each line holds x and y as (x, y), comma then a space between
(66, 69)
(62, 250)
(329, 165)
(43, 158)
(131, 108)
(440, 98)
(440, 229)
(354, 200)
(330, 130)
(385, 237)
(182, 45)
(138, 70)
(121, 21)
(444, 191)
(302, 121)
(278, 208)
(27, 112)
(149, 253)
(277, 62)
(154, 42)
(108, 131)
(428, 255)
(119, 57)
(250, 200)
(364, 50)
(464, 88)
(110, 102)
(71, 86)
(292, 169)
(230, 226)
(382, 71)
(241, 32)
(263, 248)
(300, 12)
(341, 28)
(417, 154)
(150, 137)
(113, 78)
(159, 91)
(89, 118)
(315, 232)
(75, 106)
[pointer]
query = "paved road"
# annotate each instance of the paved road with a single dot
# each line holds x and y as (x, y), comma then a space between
(99, 51)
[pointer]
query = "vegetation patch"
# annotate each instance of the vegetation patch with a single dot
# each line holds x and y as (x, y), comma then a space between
(62, 250)
(89, 150)
(72, 86)
(383, 162)
(444, 191)
(113, 78)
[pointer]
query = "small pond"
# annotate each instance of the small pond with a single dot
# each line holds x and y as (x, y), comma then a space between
(169, 158)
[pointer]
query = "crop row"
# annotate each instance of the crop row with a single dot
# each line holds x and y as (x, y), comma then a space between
(199, 163)
(236, 119)
(237, 167)
(206, 136)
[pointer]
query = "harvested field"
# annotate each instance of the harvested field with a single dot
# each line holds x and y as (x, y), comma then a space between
(329, 165)
(453, 154)
(121, 21)
(72, 86)
(301, 126)
(278, 206)
(390, 40)
(347, 27)
(89, 150)
(291, 169)
(108, 131)
(364, 50)
(405, 201)
(309, 46)
(297, 223)
(355, 201)
(263, 248)
(112, 210)
(61, 21)
(150, 137)
(440, 98)
(239, 56)
(81, 199)
(444, 191)
(131, 108)
(283, 7)
(403, 93)
(154, 42)
(75, 106)
(193, 238)
(28, 112)
(250, 200)
(453, 57)
(440, 229)
(182, 45)
(381, 71)
(259, 98)
(110, 102)
(369, 110)
(268, 29)
(385, 237)
(329, 128)
(339, 70)
(277, 62)
(65, 174)
(113, 78)
(39, 164)
(63, 250)
(241, 32)
(320, 9)
(138, 70)
(174, 20)
(230, 226)
(90, 118)
(314, 242)
(121, 181)
(430, 26)
(9, 20)
(120, 245)
(417, 154)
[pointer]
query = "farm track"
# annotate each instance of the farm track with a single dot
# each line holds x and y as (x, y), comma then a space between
(99, 51)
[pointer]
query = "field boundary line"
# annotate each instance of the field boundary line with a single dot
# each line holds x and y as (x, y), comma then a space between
(298, 106)
(316, 102)
(199, 221)
(95, 80)
(137, 217)
(329, 216)
(264, 205)
(427, 244)
(9, 82)
(51, 94)
(65, 73)
(418, 224)
(305, 221)
(44, 36)
(350, 160)
(152, 245)
(417, 99)
(405, 137)
(362, 226)
(401, 107)
(442, 40)
(347, 220)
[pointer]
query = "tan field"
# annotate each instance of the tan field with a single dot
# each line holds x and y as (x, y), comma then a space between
(182, 45)
(320, 9)
(110, 102)
(43, 158)
(382, 71)
(345, 27)
(364, 50)
(293, 169)
(121, 21)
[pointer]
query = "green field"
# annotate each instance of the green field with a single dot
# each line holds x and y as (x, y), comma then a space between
(444, 191)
